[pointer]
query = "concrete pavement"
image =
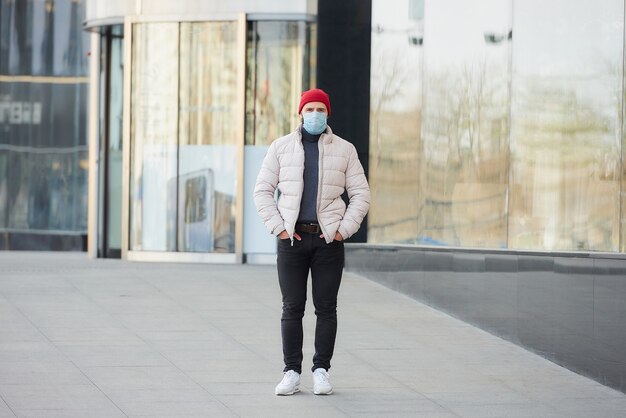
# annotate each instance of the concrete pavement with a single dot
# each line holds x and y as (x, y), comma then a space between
(108, 338)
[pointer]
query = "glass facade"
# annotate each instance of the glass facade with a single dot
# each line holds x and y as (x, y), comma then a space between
(565, 136)
(207, 166)
(498, 125)
(184, 120)
(395, 122)
(183, 137)
(463, 170)
(43, 144)
(154, 136)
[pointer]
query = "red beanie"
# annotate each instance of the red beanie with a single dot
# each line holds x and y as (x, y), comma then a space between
(314, 95)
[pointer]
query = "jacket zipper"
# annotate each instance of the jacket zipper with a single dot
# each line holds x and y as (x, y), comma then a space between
(320, 167)
(301, 187)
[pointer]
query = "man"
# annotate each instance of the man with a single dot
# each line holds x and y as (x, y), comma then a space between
(311, 167)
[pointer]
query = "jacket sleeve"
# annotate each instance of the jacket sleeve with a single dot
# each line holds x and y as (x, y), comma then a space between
(264, 190)
(359, 195)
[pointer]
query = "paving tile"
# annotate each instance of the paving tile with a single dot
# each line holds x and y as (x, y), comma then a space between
(21, 331)
(115, 334)
(59, 397)
(289, 411)
(210, 359)
(614, 407)
(124, 302)
(25, 351)
(40, 372)
(416, 358)
(382, 401)
(113, 355)
(235, 372)
(107, 378)
(64, 413)
(240, 388)
(364, 377)
(193, 337)
(409, 415)
(246, 313)
(478, 397)
(128, 395)
(171, 409)
(180, 320)
(504, 411)
(5, 411)
(223, 343)
(299, 404)
(33, 284)
(446, 381)
(563, 388)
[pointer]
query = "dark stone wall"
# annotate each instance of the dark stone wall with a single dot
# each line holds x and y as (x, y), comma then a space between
(569, 308)
(343, 71)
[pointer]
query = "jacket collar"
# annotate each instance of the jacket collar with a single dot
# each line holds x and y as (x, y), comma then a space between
(326, 137)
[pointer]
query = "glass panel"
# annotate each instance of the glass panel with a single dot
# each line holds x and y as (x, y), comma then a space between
(43, 150)
(102, 143)
(622, 247)
(154, 130)
(395, 121)
(4, 185)
(279, 60)
(565, 145)
(208, 137)
(114, 170)
(464, 164)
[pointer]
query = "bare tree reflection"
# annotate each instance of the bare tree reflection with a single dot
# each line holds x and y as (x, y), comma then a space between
(394, 145)
(464, 172)
(565, 167)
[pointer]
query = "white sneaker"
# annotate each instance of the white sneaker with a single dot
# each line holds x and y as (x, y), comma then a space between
(321, 382)
(289, 385)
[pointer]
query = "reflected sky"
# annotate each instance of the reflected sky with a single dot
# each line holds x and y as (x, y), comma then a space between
(474, 19)
(397, 61)
(586, 39)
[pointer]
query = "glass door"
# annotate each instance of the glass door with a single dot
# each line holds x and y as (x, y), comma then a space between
(186, 134)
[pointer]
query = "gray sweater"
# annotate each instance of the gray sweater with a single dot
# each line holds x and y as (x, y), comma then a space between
(308, 204)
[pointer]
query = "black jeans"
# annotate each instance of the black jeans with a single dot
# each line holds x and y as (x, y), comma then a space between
(325, 261)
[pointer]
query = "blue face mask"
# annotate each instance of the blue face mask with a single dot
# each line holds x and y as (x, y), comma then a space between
(314, 122)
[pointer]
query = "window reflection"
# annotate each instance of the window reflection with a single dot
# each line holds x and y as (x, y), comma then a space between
(549, 178)
(279, 56)
(623, 176)
(43, 150)
(395, 121)
(208, 137)
(154, 130)
(565, 151)
(438, 170)
(463, 172)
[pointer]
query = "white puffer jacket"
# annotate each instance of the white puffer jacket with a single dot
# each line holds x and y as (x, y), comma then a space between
(339, 170)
